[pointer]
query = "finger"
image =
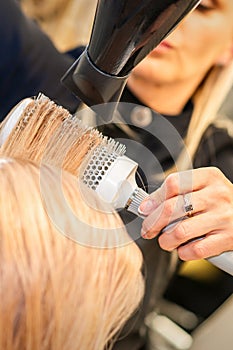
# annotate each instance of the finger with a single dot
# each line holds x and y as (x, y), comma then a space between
(180, 183)
(171, 187)
(211, 245)
(200, 225)
(168, 212)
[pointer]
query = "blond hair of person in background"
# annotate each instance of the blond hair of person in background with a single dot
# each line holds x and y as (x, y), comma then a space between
(56, 293)
(68, 23)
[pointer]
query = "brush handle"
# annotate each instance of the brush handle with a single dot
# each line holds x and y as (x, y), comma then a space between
(223, 261)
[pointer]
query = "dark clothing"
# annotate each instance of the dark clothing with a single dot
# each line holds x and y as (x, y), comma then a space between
(29, 63)
(215, 149)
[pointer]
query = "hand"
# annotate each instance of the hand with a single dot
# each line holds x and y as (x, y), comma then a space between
(209, 231)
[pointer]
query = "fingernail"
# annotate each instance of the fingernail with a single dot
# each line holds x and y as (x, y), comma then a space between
(146, 207)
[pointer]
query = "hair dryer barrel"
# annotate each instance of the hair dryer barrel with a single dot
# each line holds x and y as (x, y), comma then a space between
(123, 33)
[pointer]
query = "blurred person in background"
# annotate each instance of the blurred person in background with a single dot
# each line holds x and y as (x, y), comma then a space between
(68, 23)
(186, 79)
(29, 63)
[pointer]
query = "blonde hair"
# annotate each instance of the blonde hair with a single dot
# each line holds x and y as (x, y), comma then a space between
(38, 121)
(67, 22)
(45, 131)
(57, 294)
(207, 102)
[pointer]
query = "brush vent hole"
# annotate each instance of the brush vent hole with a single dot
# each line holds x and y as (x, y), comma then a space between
(98, 166)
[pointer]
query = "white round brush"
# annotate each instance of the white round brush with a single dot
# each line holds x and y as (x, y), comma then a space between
(113, 176)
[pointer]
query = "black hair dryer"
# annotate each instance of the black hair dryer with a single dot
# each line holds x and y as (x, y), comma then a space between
(123, 33)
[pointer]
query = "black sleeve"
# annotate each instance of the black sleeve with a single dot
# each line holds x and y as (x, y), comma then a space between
(216, 149)
(29, 62)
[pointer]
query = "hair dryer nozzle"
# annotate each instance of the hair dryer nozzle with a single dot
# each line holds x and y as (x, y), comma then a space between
(92, 85)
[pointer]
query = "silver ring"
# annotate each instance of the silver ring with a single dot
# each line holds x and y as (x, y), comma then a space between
(188, 207)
